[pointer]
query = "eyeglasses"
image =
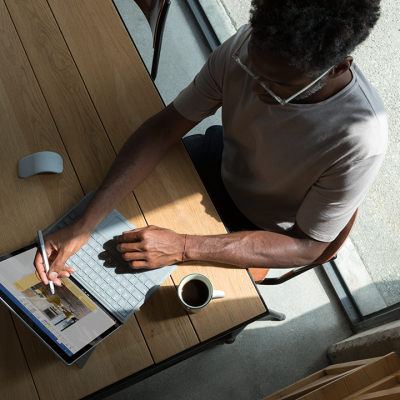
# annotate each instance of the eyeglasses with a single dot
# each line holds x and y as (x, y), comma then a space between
(264, 84)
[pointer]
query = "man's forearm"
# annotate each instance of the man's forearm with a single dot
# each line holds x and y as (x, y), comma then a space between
(136, 160)
(254, 249)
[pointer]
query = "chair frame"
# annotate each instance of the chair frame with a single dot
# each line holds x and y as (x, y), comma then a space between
(158, 36)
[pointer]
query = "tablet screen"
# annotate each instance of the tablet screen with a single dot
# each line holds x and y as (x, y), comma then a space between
(68, 321)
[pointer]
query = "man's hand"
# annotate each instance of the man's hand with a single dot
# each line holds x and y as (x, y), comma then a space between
(151, 247)
(60, 246)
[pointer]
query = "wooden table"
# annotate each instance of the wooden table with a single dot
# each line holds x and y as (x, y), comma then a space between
(71, 81)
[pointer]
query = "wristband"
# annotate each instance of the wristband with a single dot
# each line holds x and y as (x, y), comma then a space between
(184, 249)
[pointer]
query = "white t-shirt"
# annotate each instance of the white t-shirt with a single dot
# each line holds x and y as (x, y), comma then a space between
(310, 163)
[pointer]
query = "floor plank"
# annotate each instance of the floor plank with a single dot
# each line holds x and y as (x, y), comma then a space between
(14, 371)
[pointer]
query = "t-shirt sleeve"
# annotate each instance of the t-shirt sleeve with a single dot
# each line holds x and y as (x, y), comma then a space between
(334, 198)
(203, 96)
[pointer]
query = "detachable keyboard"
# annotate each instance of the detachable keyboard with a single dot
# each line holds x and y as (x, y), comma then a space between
(102, 271)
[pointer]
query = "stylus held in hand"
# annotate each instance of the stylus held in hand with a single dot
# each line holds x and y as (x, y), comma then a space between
(45, 259)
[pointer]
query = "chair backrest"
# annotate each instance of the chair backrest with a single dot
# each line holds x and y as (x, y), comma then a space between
(259, 274)
(156, 12)
(152, 10)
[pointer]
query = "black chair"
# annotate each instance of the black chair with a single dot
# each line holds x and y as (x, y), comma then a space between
(330, 253)
(156, 12)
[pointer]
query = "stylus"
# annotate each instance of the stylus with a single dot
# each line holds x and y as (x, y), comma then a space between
(46, 261)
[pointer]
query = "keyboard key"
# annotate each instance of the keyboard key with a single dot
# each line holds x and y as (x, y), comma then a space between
(80, 253)
(91, 252)
(110, 291)
(114, 284)
(92, 264)
(114, 304)
(92, 243)
(92, 284)
(128, 308)
(104, 285)
(141, 287)
(103, 273)
(86, 269)
(126, 295)
(138, 295)
(75, 259)
(122, 303)
(115, 296)
(109, 259)
(108, 279)
(149, 284)
(98, 248)
(99, 281)
(119, 289)
(72, 214)
(119, 278)
(97, 268)
(61, 225)
(86, 258)
(93, 276)
(132, 278)
(142, 277)
(130, 288)
(125, 283)
(68, 220)
(133, 301)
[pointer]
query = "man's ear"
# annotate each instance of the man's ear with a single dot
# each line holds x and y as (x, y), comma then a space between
(341, 68)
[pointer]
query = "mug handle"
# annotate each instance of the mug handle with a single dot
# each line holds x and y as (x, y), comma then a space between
(218, 294)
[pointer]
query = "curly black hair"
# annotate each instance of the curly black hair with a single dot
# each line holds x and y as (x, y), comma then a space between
(312, 35)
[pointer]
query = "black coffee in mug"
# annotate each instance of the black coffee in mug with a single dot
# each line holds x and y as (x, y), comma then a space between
(195, 293)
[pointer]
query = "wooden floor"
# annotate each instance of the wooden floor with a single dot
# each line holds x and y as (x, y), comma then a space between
(72, 82)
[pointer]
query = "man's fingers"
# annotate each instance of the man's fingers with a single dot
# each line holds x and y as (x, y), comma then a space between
(134, 235)
(58, 266)
(139, 264)
(129, 236)
(127, 247)
(39, 263)
(134, 255)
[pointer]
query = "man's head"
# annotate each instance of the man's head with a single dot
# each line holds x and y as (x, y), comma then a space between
(312, 35)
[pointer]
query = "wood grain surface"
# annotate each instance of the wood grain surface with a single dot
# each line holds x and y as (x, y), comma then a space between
(120, 355)
(16, 382)
(71, 82)
(28, 127)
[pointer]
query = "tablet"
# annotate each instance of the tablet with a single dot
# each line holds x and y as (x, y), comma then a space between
(70, 322)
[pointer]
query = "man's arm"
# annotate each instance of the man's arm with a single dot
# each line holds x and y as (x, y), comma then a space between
(152, 247)
(135, 161)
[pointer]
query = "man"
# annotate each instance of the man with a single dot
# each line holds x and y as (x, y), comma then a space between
(303, 137)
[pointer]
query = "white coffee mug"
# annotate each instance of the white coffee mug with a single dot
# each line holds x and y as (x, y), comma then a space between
(195, 291)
